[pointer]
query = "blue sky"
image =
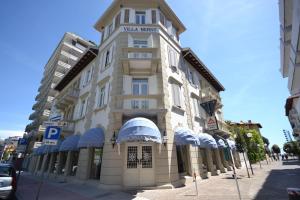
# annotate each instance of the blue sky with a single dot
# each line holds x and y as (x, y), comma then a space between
(237, 39)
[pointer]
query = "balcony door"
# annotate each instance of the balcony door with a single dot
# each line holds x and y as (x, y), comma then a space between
(140, 88)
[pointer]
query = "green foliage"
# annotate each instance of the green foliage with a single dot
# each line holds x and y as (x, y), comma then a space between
(291, 147)
(276, 149)
(254, 146)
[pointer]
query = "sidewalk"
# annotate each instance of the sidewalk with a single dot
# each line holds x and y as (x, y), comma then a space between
(270, 182)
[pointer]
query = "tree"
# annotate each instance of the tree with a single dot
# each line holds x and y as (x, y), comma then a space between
(276, 149)
(291, 147)
(265, 140)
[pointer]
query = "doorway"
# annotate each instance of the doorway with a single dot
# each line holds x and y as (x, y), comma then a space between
(139, 165)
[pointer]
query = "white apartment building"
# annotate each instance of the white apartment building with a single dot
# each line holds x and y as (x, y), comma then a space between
(290, 59)
(132, 106)
(69, 50)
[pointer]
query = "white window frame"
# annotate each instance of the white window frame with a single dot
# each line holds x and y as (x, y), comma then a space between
(140, 17)
(83, 107)
(101, 96)
(176, 95)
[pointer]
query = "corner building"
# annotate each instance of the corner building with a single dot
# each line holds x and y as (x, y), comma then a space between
(137, 121)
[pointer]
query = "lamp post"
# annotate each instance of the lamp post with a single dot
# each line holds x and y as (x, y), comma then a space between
(249, 136)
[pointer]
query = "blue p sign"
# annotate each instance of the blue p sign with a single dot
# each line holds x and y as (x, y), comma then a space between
(52, 132)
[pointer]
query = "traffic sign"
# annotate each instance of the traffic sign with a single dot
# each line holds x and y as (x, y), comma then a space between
(209, 107)
(212, 123)
(22, 141)
(51, 135)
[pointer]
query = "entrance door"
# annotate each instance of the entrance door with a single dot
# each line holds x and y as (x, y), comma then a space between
(139, 166)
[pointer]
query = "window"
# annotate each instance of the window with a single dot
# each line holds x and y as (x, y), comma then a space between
(191, 77)
(101, 96)
(140, 43)
(140, 87)
(118, 19)
(196, 107)
(110, 29)
(172, 56)
(176, 95)
(140, 17)
(107, 58)
(83, 107)
(126, 17)
(162, 18)
(153, 13)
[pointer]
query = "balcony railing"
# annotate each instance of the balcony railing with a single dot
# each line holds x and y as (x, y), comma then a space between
(140, 55)
(139, 102)
(68, 97)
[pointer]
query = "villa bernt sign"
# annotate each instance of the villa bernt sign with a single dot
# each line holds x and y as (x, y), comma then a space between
(139, 29)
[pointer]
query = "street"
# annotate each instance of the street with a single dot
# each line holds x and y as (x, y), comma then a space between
(270, 182)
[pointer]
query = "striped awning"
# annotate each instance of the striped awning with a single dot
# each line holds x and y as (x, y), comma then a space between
(185, 136)
(92, 138)
(70, 143)
(139, 129)
(55, 148)
(231, 144)
(207, 141)
(220, 143)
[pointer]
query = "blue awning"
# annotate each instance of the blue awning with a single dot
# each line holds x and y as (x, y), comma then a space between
(92, 138)
(70, 143)
(220, 143)
(231, 144)
(45, 149)
(55, 148)
(207, 141)
(139, 129)
(184, 136)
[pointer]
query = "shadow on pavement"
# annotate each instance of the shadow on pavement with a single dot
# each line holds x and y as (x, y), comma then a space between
(277, 182)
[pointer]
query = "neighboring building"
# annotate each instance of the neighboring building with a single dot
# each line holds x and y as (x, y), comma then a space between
(132, 109)
(10, 145)
(289, 11)
(69, 50)
(248, 125)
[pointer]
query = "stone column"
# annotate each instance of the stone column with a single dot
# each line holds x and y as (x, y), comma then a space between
(51, 163)
(84, 163)
(238, 160)
(44, 163)
(210, 164)
(60, 163)
(218, 160)
(36, 168)
(202, 173)
(224, 161)
(68, 166)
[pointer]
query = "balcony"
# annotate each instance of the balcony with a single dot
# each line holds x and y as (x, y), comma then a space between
(208, 95)
(69, 126)
(67, 98)
(140, 60)
(139, 103)
(33, 116)
(57, 76)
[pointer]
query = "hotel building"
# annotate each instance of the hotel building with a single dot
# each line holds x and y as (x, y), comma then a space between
(289, 11)
(136, 120)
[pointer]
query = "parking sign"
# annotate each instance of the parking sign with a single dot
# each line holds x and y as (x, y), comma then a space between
(51, 135)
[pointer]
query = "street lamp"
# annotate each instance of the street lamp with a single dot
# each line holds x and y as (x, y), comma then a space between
(249, 136)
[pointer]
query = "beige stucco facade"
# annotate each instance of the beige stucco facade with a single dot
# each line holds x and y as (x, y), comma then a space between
(135, 75)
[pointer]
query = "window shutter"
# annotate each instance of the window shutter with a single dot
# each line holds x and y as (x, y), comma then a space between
(126, 17)
(162, 18)
(176, 95)
(106, 93)
(153, 14)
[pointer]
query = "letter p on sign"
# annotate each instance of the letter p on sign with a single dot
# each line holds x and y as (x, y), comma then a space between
(52, 132)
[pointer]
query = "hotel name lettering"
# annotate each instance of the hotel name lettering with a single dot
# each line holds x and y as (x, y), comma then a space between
(139, 29)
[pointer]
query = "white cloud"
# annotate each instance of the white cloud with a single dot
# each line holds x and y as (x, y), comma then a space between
(6, 133)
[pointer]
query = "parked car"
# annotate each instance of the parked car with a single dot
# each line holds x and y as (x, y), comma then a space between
(8, 181)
